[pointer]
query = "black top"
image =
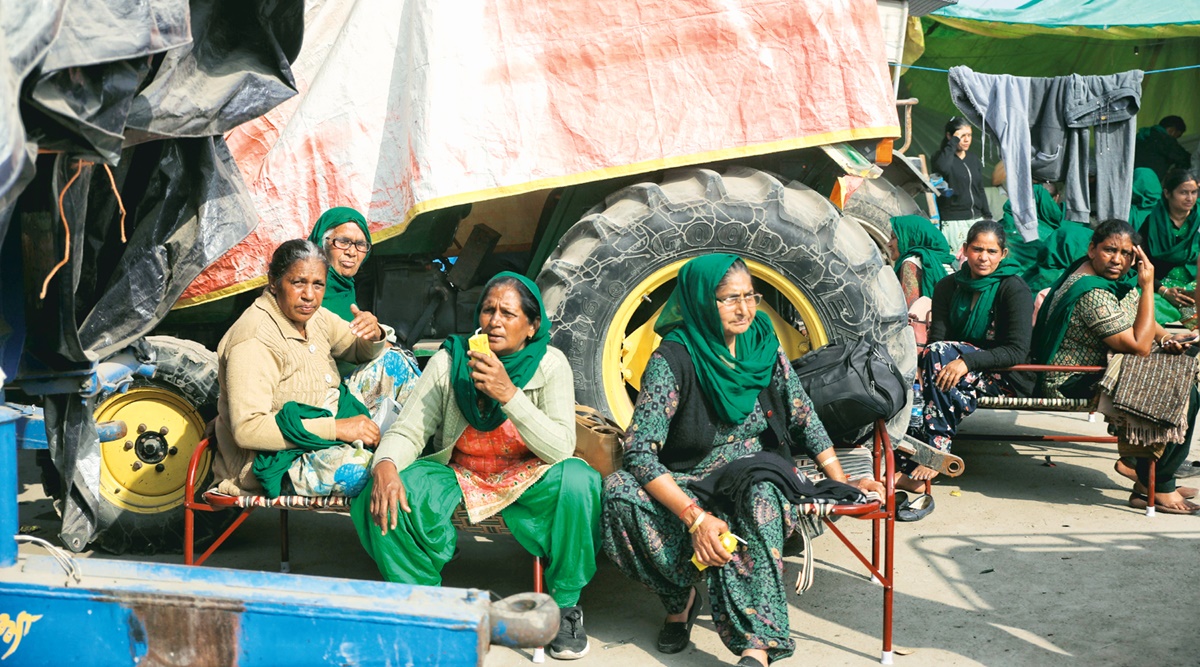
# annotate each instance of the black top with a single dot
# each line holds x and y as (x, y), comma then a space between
(1160, 152)
(1007, 340)
(965, 177)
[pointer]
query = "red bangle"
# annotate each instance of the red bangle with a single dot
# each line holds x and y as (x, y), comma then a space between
(680, 515)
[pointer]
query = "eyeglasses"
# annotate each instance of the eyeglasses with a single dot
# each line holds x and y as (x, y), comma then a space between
(748, 299)
(343, 243)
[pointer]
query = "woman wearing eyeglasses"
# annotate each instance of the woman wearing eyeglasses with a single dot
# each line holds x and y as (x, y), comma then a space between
(699, 411)
(343, 235)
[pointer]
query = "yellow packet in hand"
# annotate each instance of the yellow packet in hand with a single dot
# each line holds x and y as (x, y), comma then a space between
(479, 343)
(728, 540)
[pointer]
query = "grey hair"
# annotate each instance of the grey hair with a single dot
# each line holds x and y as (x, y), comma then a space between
(290, 252)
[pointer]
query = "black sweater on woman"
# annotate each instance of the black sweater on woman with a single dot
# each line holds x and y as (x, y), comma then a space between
(1007, 340)
(965, 176)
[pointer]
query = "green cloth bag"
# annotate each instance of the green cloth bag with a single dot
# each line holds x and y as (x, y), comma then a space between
(1050, 328)
(918, 237)
(339, 290)
(480, 410)
(731, 383)
(967, 322)
(271, 467)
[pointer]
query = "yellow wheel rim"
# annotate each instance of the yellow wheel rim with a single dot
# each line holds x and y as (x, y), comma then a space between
(626, 351)
(139, 472)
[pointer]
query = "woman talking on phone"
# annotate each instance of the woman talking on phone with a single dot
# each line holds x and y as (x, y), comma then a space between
(963, 172)
(1100, 306)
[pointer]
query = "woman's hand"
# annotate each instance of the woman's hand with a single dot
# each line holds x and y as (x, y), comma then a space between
(490, 377)
(1145, 270)
(950, 374)
(867, 485)
(706, 541)
(358, 427)
(1177, 297)
(387, 496)
(365, 325)
(1178, 343)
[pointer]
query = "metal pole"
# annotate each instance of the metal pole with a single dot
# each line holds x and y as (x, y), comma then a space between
(8, 485)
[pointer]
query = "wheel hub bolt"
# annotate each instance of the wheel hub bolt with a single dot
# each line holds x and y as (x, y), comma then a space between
(173, 451)
(141, 428)
(137, 465)
(128, 445)
(162, 431)
(160, 467)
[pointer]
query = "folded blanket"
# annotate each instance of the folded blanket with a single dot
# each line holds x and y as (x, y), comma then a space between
(1156, 388)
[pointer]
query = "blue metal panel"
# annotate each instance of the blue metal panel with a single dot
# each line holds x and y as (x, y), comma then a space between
(8, 487)
(30, 426)
(122, 611)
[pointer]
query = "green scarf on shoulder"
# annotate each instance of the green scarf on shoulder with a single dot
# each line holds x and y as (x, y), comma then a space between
(730, 382)
(1049, 219)
(339, 290)
(480, 410)
(970, 323)
(918, 237)
(1169, 245)
(271, 467)
(1147, 192)
(1055, 313)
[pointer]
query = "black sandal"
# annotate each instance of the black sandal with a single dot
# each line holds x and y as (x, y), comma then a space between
(675, 636)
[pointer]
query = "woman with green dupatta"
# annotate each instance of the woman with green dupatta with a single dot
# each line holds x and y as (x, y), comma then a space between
(1172, 242)
(1024, 253)
(1100, 306)
(384, 384)
(920, 256)
(698, 412)
(502, 431)
(981, 319)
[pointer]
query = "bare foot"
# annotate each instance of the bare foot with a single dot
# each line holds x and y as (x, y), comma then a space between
(682, 616)
(915, 481)
(757, 654)
(1168, 503)
(1129, 473)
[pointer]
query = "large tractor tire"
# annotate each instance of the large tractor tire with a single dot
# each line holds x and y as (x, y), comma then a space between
(822, 275)
(142, 476)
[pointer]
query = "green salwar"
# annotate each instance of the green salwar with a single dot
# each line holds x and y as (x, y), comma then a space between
(557, 518)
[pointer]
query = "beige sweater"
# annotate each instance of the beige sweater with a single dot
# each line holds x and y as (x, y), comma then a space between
(263, 363)
(543, 412)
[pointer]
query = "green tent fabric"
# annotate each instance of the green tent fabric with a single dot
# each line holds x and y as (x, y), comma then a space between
(1024, 253)
(1066, 245)
(271, 467)
(1057, 38)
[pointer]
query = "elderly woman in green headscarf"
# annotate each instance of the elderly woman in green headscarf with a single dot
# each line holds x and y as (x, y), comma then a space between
(1024, 253)
(1172, 242)
(343, 235)
(697, 414)
(502, 428)
(920, 256)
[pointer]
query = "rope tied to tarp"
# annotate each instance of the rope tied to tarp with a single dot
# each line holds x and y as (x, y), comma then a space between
(62, 214)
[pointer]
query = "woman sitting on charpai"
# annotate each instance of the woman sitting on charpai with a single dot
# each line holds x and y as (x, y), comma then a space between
(1097, 307)
(284, 420)
(383, 385)
(502, 430)
(1171, 233)
(699, 415)
(981, 319)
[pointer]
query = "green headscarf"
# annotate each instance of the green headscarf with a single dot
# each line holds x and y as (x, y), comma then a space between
(918, 237)
(1049, 219)
(1067, 244)
(730, 382)
(339, 290)
(1055, 313)
(480, 410)
(271, 467)
(970, 323)
(1147, 191)
(1168, 245)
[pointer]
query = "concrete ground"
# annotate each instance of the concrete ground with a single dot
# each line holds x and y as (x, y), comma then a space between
(1022, 563)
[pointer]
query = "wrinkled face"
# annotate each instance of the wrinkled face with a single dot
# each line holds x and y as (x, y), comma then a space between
(299, 291)
(1112, 257)
(1182, 199)
(983, 254)
(893, 248)
(736, 317)
(347, 248)
(964, 135)
(505, 323)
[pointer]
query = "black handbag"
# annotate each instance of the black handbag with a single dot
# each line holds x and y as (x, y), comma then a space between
(852, 385)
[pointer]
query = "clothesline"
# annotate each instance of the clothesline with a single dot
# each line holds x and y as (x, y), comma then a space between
(945, 71)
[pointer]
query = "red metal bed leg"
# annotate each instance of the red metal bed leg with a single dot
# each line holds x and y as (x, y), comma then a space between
(189, 534)
(1151, 482)
(877, 455)
(539, 586)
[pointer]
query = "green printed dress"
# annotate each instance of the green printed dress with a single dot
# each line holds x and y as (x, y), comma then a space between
(651, 545)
